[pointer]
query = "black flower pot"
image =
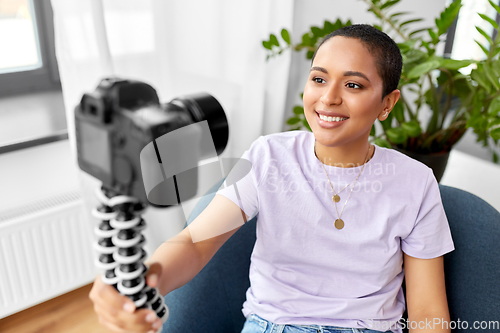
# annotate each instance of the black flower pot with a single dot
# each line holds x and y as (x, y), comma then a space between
(436, 161)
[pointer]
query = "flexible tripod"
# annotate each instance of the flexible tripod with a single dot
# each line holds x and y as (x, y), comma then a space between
(121, 256)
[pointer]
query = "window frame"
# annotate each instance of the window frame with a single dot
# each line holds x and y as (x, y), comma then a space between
(45, 77)
(450, 37)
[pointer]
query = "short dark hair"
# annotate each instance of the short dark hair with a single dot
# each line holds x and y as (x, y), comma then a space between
(385, 50)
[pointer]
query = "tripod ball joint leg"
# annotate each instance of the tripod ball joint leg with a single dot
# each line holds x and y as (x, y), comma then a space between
(120, 250)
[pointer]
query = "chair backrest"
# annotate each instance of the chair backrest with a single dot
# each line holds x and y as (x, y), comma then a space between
(212, 301)
(472, 270)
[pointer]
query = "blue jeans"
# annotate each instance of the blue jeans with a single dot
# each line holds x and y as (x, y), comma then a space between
(256, 324)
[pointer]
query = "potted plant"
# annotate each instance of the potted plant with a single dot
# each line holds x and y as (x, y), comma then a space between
(440, 98)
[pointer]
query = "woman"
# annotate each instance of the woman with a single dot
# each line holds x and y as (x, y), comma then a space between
(338, 216)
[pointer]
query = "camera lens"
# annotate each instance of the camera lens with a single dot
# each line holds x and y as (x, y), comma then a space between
(205, 107)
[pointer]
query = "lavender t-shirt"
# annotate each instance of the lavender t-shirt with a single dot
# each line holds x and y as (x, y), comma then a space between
(304, 270)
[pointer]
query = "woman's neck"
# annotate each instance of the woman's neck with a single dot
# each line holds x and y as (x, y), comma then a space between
(344, 157)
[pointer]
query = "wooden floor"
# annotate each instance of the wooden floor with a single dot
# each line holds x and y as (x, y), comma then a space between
(69, 313)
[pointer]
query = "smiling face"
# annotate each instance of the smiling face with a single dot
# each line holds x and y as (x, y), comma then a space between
(344, 84)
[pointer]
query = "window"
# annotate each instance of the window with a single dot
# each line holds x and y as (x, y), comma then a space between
(461, 44)
(31, 105)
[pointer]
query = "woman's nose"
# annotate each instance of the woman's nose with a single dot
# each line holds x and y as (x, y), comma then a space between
(331, 96)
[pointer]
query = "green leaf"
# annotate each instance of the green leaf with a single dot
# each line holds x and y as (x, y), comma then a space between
(396, 135)
(403, 47)
(489, 19)
(495, 157)
(485, 50)
(497, 8)
(474, 121)
(306, 40)
(338, 24)
(317, 32)
(378, 27)
(495, 134)
(488, 71)
(417, 31)
(482, 32)
(267, 45)
(373, 131)
(387, 123)
(328, 27)
(293, 120)
(410, 21)
(286, 36)
(382, 143)
(455, 64)
(399, 14)
(412, 128)
(447, 17)
(434, 36)
(423, 68)
(494, 108)
(273, 40)
(309, 54)
(399, 112)
(461, 86)
(389, 4)
(298, 110)
(414, 55)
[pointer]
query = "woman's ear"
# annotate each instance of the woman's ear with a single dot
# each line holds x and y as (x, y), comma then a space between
(388, 104)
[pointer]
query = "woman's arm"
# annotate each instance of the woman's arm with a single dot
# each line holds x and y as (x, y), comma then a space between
(184, 256)
(426, 294)
(174, 264)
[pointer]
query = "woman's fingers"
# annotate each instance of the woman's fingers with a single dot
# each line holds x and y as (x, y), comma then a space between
(117, 312)
(154, 274)
(140, 321)
(102, 292)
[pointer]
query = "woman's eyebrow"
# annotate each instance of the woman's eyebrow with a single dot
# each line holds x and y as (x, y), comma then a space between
(354, 73)
(348, 73)
(320, 69)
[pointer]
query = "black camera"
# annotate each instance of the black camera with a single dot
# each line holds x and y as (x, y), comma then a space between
(119, 127)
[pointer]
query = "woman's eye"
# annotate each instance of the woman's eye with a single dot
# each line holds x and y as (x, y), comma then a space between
(353, 85)
(318, 80)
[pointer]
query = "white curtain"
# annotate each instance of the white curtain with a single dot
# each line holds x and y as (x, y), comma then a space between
(179, 47)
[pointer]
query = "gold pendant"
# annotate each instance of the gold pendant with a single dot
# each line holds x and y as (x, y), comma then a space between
(339, 224)
(336, 198)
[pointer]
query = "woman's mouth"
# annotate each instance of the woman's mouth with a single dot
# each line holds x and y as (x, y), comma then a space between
(330, 122)
(330, 119)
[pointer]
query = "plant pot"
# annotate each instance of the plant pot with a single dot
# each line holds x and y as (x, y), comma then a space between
(436, 161)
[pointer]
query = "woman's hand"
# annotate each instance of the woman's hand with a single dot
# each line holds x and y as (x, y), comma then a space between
(117, 312)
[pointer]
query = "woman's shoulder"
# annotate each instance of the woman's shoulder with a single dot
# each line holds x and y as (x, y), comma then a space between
(404, 163)
(288, 139)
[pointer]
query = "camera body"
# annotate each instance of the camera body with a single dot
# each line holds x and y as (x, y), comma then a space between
(116, 121)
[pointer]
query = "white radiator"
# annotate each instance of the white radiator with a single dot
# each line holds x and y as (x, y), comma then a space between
(45, 251)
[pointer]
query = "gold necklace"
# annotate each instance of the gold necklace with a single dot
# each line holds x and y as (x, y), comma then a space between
(336, 196)
(339, 223)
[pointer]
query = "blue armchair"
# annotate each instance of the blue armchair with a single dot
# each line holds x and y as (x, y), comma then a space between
(212, 301)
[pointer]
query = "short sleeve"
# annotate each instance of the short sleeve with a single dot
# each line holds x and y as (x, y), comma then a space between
(242, 182)
(431, 236)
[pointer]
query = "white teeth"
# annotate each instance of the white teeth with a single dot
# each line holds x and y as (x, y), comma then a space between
(325, 118)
